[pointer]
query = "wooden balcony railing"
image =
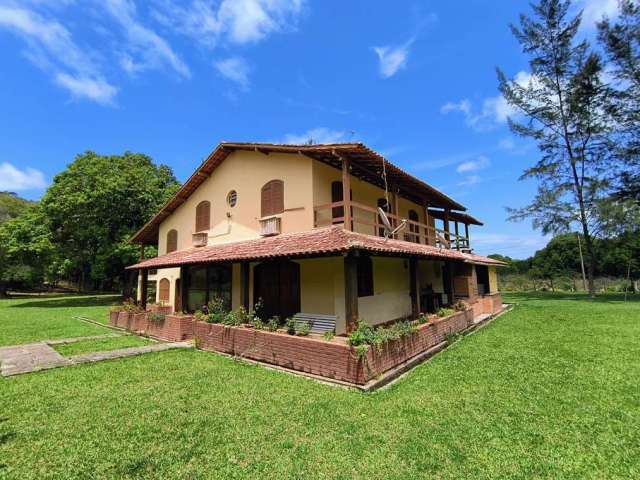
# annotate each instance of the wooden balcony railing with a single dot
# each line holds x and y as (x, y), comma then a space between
(365, 219)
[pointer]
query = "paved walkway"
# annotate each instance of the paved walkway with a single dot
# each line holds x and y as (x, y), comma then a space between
(31, 357)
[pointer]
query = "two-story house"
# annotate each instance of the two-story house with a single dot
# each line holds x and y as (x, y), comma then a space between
(298, 226)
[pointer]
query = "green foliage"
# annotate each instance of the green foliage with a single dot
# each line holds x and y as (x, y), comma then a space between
(273, 324)
(12, 206)
(302, 329)
(216, 305)
(362, 334)
(452, 337)
(445, 312)
(365, 334)
(290, 325)
(129, 305)
(232, 319)
(156, 317)
(361, 351)
(257, 323)
(460, 306)
(200, 316)
(329, 335)
(94, 206)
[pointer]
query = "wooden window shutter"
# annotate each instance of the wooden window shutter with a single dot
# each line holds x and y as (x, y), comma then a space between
(272, 198)
(163, 291)
(203, 216)
(172, 241)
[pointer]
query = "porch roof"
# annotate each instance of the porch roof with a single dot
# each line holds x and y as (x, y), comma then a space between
(317, 242)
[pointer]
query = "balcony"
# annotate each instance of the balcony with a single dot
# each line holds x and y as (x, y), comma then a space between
(365, 219)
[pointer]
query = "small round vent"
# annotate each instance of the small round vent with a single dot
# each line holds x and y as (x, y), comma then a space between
(232, 198)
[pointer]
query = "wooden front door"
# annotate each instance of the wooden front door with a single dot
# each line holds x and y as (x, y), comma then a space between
(277, 283)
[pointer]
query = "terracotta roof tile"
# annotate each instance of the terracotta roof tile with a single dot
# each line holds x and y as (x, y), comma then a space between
(316, 242)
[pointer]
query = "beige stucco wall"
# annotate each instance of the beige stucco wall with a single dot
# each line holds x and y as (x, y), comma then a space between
(246, 173)
(391, 298)
(171, 274)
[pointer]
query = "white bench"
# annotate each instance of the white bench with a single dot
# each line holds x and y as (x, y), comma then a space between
(317, 323)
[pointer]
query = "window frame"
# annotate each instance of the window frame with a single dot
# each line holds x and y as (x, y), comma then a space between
(203, 209)
(270, 202)
(172, 241)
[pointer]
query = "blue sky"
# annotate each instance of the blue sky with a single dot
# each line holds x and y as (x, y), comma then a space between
(414, 80)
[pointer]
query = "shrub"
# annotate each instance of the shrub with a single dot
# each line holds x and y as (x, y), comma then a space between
(231, 319)
(302, 329)
(290, 324)
(130, 306)
(200, 316)
(361, 351)
(244, 317)
(328, 336)
(257, 323)
(445, 312)
(156, 317)
(273, 323)
(423, 318)
(217, 317)
(216, 305)
(460, 306)
(363, 334)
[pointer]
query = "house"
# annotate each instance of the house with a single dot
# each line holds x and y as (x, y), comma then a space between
(298, 226)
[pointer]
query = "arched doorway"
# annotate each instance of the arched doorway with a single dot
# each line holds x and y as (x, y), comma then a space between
(277, 283)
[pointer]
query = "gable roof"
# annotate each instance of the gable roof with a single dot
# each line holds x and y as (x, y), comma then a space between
(332, 240)
(366, 164)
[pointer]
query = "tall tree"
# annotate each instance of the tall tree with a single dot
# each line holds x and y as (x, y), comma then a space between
(563, 108)
(96, 204)
(621, 43)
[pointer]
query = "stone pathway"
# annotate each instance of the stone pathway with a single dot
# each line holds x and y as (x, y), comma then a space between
(31, 357)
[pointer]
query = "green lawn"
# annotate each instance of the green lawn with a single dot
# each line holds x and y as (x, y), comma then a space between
(34, 318)
(101, 345)
(550, 390)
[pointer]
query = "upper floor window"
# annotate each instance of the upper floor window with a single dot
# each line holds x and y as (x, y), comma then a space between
(232, 198)
(414, 230)
(272, 198)
(172, 241)
(203, 216)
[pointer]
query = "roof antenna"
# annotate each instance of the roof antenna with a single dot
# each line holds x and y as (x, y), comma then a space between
(352, 133)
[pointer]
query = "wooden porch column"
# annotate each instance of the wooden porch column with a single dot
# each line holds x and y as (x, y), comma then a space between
(350, 292)
(144, 273)
(346, 193)
(457, 235)
(244, 285)
(447, 237)
(466, 234)
(184, 285)
(425, 206)
(394, 199)
(413, 287)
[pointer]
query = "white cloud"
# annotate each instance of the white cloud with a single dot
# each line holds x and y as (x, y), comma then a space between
(235, 69)
(594, 10)
(51, 48)
(316, 135)
(515, 246)
(495, 110)
(237, 21)
(152, 49)
(14, 179)
(392, 59)
(470, 180)
(473, 165)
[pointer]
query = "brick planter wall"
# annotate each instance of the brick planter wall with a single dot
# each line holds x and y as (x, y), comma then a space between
(319, 357)
(173, 328)
(491, 303)
(160, 308)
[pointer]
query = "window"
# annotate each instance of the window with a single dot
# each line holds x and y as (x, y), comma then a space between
(203, 216)
(232, 198)
(414, 230)
(163, 290)
(172, 241)
(272, 198)
(365, 277)
(207, 282)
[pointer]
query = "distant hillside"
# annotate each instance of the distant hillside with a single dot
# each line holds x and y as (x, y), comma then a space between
(11, 205)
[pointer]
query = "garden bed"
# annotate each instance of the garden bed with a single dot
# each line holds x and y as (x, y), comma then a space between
(332, 358)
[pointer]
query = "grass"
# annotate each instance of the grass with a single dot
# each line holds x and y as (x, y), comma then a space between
(101, 345)
(27, 319)
(549, 390)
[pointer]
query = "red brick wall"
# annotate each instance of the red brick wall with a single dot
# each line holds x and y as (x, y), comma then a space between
(319, 357)
(174, 328)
